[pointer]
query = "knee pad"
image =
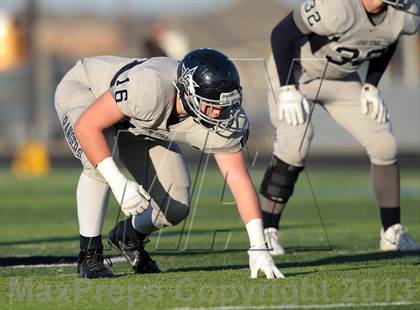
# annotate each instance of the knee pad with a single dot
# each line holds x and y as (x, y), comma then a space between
(177, 210)
(160, 220)
(279, 180)
(180, 215)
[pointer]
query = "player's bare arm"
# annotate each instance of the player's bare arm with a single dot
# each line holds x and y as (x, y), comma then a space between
(233, 168)
(234, 171)
(101, 114)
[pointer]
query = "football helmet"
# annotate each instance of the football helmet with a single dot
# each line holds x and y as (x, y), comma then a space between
(208, 80)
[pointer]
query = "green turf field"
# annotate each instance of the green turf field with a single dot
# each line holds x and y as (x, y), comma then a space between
(206, 265)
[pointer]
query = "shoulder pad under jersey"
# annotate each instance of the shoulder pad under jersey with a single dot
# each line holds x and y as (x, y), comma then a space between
(138, 93)
(328, 17)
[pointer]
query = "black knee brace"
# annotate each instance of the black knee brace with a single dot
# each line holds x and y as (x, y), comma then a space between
(279, 180)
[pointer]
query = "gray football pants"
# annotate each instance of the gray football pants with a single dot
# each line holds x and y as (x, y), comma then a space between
(341, 100)
(157, 165)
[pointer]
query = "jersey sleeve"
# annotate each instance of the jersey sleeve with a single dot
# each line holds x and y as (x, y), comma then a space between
(283, 38)
(324, 17)
(137, 94)
(412, 18)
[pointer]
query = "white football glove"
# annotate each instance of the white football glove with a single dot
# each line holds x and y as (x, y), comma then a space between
(132, 197)
(260, 259)
(370, 96)
(293, 105)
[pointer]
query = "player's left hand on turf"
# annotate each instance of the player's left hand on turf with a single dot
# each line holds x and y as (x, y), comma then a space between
(370, 96)
(260, 259)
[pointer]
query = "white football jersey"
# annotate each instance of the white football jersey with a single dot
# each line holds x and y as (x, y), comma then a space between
(342, 32)
(144, 91)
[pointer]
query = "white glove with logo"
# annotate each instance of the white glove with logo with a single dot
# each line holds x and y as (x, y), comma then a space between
(260, 259)
(293, 105)
(370, 96)
(132, 197)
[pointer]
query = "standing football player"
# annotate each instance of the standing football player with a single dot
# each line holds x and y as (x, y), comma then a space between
(319, 47)
(161, 102)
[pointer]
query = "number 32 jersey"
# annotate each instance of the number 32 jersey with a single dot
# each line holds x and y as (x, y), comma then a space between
(342, 33)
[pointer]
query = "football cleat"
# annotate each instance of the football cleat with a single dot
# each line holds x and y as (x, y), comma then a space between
(90, 264)
(132, 247)
(397, 238)
(272, 238)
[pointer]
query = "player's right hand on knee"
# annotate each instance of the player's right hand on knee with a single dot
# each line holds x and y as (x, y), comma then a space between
(293, 105)
(371, 97)
(132, 197)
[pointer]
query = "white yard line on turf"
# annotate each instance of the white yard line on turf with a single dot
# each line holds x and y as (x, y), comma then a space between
(325, 306)
(114, 260)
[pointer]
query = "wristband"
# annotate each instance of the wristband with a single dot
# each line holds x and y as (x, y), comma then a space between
(255, 232)
(111, 173)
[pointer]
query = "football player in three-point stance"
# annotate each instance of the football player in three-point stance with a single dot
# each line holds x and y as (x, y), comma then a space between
(161, 102)
(319, 47)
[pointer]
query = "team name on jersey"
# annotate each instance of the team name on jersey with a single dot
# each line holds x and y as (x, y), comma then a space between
(151, 133)
(368, 43)
(71, 137)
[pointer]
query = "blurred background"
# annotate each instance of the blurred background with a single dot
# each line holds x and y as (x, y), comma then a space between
(41, 39)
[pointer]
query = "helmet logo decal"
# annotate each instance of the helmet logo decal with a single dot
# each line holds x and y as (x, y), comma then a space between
(187, 80)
